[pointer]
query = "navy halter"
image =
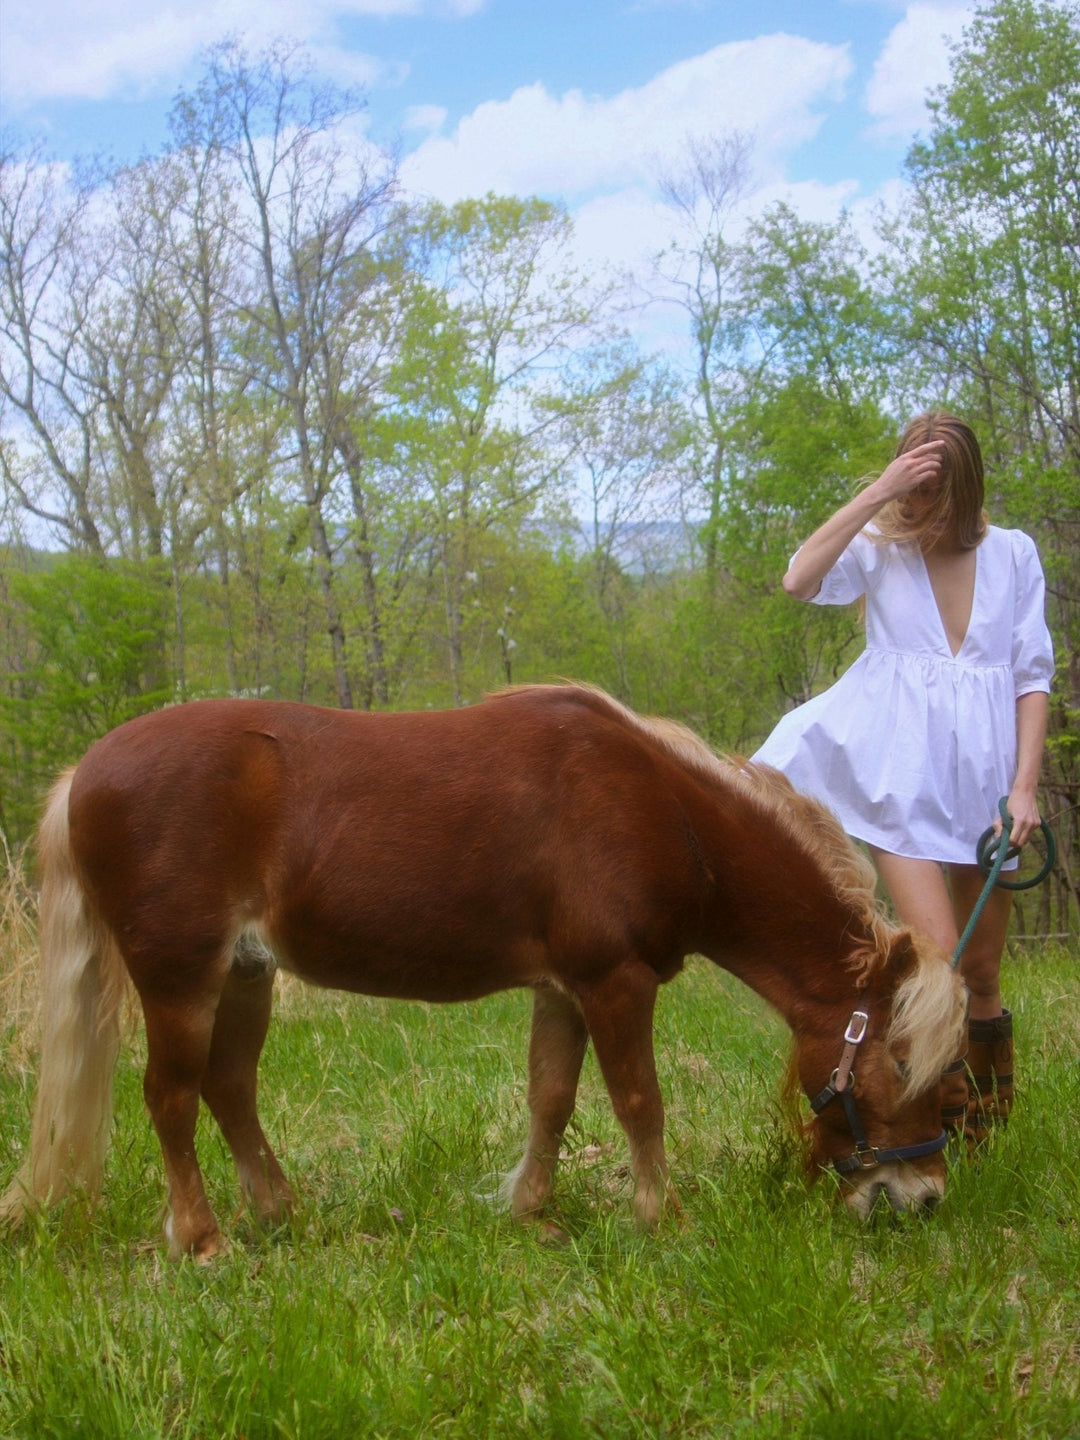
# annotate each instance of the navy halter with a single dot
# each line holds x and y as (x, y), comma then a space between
(865, 1156)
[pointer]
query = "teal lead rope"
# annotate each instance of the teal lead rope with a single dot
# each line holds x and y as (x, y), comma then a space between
(990, 855)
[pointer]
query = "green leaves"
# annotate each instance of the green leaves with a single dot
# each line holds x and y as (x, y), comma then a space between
(95, 632)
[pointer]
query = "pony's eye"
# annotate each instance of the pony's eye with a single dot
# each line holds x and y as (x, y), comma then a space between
(901, 1068)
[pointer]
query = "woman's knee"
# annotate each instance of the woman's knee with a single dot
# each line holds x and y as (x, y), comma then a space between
(981, 970)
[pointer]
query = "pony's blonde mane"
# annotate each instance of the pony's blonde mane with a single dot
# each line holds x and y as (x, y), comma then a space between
(929, 1019)
(928, 1012)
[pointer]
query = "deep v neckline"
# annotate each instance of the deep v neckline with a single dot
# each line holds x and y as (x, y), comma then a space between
(937, 607)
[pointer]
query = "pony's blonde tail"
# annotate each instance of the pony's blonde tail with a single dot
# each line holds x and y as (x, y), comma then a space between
(82, 985)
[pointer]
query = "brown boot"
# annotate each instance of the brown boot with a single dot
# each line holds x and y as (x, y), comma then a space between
(953, 1096)
(990, 1081)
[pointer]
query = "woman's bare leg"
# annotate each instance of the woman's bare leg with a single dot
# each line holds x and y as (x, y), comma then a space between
(920, 896)
(980, 963)
(925, 901)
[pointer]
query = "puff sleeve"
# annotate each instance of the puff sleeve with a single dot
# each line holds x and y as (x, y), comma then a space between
(1032, 647)
(852, 575)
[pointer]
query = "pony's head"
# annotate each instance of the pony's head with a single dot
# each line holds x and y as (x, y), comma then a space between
(870, 1051)
(875, 1087)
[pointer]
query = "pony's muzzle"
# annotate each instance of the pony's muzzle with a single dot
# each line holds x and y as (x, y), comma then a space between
(905, 1188)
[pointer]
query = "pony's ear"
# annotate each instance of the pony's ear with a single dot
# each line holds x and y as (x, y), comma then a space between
(903, 955)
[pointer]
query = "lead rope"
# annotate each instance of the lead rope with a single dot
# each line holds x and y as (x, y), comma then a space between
(990, 855)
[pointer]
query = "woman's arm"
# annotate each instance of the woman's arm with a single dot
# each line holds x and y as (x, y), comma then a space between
(821, 552)
(1032, 710)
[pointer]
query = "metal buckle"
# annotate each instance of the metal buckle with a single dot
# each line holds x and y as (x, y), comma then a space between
(864, 1163)
(856, 1030)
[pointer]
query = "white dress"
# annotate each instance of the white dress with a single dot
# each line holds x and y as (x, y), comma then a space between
(913, 746)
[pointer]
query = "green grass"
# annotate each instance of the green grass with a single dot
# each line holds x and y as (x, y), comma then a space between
(400, 1304)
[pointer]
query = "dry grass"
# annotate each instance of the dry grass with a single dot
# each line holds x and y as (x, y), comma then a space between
(18, 954)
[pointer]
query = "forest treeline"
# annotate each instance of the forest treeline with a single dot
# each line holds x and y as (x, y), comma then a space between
(268, 427)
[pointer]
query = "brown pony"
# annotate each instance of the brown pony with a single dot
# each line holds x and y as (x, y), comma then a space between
(548, 838)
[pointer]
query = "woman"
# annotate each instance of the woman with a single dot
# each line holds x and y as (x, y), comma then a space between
(943, 713)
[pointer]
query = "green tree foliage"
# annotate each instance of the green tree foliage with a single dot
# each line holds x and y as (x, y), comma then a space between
(992, 247)
(801, 395)
(91, 633)
(492, 313)
(814, 423)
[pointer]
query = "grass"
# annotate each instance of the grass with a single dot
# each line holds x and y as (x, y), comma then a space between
(401, 1304)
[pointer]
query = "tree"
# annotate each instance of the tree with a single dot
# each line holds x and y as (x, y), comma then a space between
(217, 449)
(788, 399)
(701, 270)
(312, 209)
(97, 336)
(49, 276)
(491, 318)
(624, 428)
(93, 631)
(814, 422)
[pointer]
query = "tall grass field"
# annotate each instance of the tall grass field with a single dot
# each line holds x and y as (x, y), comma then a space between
(402, 1303)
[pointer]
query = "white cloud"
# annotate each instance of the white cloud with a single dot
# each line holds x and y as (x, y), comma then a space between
(578, 146)
(623, 230)
(425, 117)
(629, 228)
(602, 155)
(812, 200)
(915, 59)
(109, 49)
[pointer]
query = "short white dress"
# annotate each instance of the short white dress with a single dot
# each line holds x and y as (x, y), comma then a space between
(913, 746)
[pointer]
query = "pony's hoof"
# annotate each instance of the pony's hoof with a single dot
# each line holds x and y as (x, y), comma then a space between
(209, 1250)
(200, 1248)
(664, 1212)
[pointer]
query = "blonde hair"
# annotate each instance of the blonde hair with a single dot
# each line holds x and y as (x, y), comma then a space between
(957, 509)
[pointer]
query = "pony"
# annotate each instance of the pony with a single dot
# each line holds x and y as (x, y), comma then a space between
(546, 837)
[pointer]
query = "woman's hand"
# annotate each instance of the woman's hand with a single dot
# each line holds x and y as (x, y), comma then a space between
(1024, 810)
(814, 560)
(920, 466)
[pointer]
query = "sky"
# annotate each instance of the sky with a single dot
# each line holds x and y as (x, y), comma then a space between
(587, 102)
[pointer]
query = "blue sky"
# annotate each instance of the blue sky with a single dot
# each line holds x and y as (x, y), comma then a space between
(581, 100)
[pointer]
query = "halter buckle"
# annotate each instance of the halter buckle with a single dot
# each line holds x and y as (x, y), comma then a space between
(855, 1033)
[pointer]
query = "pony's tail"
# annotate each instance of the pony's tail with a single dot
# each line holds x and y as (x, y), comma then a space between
(82, 985)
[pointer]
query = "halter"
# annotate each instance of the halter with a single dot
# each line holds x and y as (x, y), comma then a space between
(865, 1156)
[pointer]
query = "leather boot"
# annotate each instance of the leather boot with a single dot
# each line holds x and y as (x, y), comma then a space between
(990, 1078)
(953, 1096)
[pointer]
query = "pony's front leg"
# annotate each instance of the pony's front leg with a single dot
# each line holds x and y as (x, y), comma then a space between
(619, 1013)
(178, 1035)
(556, 1049)
(230, 1081)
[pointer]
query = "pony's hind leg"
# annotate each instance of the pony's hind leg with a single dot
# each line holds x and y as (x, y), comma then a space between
(179, 1029)
(556, 1049)
(618, 1010)
(230, 1079)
